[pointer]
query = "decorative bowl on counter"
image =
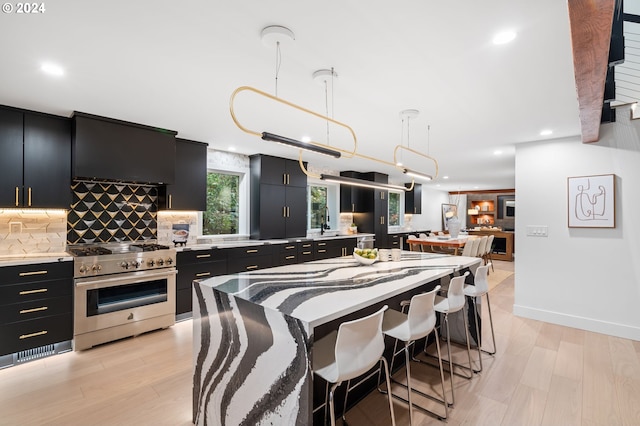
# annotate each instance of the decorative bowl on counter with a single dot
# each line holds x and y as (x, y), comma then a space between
(365, 256)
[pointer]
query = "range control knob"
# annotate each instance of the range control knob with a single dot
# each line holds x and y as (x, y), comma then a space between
(84, 269)
(169, 261)
(151, 262)
(160, 262)
(124, 265)
(96, 268)
(134, 264)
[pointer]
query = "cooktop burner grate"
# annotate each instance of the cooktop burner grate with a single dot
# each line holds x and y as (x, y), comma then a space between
(89, 251)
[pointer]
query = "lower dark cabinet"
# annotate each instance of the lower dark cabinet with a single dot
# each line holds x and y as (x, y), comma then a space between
(23, 335)
(196, 265)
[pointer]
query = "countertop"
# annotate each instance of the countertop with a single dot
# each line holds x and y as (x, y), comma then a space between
(34, 258)
(248, 242)
(318, 292)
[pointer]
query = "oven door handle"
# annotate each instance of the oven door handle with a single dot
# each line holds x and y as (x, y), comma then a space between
(101, 282)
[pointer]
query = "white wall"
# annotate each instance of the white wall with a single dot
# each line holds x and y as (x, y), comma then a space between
(585, 278)
(431, 217)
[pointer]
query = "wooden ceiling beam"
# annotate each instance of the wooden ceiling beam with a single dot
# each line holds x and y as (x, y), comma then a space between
(591, 22)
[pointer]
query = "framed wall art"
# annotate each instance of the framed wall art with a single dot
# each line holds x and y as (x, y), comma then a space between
(591, 201)
(448, 211)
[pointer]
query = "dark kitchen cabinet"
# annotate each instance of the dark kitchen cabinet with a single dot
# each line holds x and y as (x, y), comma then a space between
(35, 166)
(189, 190)
(351, 197)
(285, 254)
(413, 199)
(108, 149)
(373, 211)
(196, 265)
(278, 198)
(36, 306)
(326, 249)
(249, 258)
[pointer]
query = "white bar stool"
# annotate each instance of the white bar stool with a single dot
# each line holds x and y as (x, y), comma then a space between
(350, 352)
(419, 322)
(479, 289)
(454, 302)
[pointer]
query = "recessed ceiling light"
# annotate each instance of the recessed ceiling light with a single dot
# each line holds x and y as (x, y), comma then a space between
(546, 132)
(232, 148)
(399, 164)
(497, 152)
(52, 69)
(504, 37)
(305, 139)
(445, 177)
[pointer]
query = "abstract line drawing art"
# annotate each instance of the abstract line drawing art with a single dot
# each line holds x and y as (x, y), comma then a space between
(591, 201)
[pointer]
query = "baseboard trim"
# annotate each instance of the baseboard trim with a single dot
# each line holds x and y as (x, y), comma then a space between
(582, 323)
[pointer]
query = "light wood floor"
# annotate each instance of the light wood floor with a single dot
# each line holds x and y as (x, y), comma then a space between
(543, 374)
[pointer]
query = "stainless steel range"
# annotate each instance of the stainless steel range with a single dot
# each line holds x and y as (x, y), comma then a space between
(121, 290)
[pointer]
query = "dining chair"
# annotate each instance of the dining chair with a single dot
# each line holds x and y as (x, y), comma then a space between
(488, 260)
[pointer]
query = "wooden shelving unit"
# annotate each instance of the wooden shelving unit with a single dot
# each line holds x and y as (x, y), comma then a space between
(486, 212)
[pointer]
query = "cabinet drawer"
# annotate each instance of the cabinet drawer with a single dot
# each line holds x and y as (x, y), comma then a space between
(18, 293)
(38, 272)
(19, 336)
(244, 264)
(249, 251)
(199, 271)
(36, 309)
(199, 256)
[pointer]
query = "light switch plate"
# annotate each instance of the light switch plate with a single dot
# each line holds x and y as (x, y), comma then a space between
(537, 231)
(15, 227)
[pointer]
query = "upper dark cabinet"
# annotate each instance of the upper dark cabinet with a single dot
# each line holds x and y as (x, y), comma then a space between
(278, 198)
(189, 190)
(35, 166)
(108, 149)
(413, 199)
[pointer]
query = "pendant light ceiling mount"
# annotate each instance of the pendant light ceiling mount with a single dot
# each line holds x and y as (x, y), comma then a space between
(325, 75)
(273, 35)
(409, 113)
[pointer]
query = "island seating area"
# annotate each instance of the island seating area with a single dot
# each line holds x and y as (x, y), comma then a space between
(254, 331)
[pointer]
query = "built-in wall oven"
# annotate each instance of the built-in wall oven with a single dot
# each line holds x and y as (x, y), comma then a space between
(122, 290)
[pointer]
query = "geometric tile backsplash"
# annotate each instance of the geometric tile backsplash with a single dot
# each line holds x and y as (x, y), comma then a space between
(112, 212)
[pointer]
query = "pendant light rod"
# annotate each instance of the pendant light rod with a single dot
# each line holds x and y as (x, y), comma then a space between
(362, 183)
(299, 144)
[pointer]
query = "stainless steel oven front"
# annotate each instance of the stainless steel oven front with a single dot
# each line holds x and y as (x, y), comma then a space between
(115, 306)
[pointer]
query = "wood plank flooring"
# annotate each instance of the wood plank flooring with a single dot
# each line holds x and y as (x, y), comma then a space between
(543, 374)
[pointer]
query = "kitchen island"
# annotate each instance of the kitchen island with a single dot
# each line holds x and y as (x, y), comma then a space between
(254, 331)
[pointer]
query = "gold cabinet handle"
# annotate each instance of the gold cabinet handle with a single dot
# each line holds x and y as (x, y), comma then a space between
(306, 245)
(29, 192)
(322, 244)
(28, 311)
(202, 256)
(284, 211)
(288, 212)
(17, 196)
(252, 267)
(203, 274)
(25, 292)
(252, 251)
(170, 200)
(306, 252)
(28, 274)
(290, 257)
(382, 195)
(290, 247)
(284, 178)
(322, 251)
(39, 333)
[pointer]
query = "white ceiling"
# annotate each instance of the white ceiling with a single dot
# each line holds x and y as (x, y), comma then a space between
(175, 64)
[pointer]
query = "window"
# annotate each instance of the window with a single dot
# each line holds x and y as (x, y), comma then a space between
(221, 216)
(317, 206)
(395, 212)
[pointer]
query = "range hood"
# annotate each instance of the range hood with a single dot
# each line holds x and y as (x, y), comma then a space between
(115, 150)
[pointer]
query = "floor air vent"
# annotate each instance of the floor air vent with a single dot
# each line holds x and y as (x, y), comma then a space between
(36, 353)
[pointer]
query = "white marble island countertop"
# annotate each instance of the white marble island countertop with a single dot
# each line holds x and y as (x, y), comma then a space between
(320, 291)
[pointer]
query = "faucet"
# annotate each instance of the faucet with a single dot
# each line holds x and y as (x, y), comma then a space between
(325, 221)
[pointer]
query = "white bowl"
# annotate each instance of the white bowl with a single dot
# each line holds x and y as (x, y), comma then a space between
(364, 260)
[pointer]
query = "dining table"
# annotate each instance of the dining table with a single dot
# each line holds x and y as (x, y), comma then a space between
(430, 243)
